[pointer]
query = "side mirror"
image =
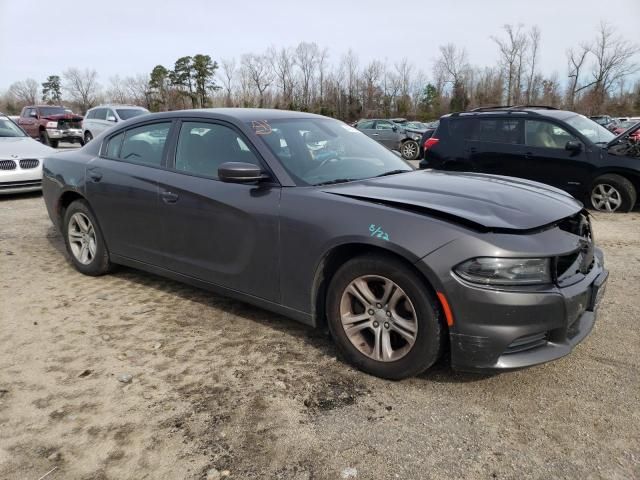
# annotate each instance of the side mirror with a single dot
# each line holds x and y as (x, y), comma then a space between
(111, 118)
(394, 128)
(573, 146)
(240, 172)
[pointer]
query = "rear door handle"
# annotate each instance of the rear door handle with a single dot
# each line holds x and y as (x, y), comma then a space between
(169, 197)
(95, 174)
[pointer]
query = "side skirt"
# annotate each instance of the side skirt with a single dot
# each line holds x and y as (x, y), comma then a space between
(297, 315)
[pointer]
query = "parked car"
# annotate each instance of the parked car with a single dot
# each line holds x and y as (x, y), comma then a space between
(402, 265)
(51, 124)
(20, 159)
(623, 126)
(392, 136)
(555, 147)
(103, 117)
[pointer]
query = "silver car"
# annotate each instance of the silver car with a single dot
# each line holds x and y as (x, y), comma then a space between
(103, 117)
(20, 159)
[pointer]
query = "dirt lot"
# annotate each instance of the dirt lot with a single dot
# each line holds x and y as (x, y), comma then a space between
(217, 384)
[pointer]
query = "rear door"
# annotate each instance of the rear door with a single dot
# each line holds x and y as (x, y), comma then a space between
(223, 233)
(122, 188)
(495, 146)
(99, 121)
(547, 160)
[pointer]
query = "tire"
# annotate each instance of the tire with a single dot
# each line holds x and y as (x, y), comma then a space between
(44, 138)
(410, 150)
(612, 193)
(78, 237)
(356, 342)
(87, 137)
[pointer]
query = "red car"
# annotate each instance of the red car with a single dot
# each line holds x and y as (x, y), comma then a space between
(51, 124)
(626, 125)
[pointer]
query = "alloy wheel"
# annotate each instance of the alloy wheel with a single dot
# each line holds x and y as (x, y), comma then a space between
(409, 150)
(378, 318)
(82, 238)
(605, 198)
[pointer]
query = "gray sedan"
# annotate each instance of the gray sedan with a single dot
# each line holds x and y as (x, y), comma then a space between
(308, 217)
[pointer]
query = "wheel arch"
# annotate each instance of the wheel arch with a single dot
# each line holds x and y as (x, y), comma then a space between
(64, 201)
(336, 256)
(631, 175)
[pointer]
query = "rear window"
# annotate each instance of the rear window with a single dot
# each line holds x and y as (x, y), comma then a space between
(127, 113)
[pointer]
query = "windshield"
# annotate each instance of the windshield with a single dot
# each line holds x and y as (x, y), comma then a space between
(48, 111)
(590, 129)
(320, 151)
(127, 113)
(415, 125)
(9, 129)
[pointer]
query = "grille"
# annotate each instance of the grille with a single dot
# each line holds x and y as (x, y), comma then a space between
(29, 163)
(527, 343)
(7, 165)
(26, 183)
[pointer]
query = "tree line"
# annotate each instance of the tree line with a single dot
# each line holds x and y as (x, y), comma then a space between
(305, 77)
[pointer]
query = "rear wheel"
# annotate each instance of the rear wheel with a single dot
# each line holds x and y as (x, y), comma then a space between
(612, 193)
(383, 319)
(410, 150)
(84, 240)
(87, 137)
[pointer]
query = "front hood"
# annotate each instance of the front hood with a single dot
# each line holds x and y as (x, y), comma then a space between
(12, 148)
(488, 202)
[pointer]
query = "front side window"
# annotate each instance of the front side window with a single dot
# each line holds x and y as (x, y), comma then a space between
(384, 126)
(368, 124)
(320, 151)
(203, 147)
(144, 145)
(546, 135)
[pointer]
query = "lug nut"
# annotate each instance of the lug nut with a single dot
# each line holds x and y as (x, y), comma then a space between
(376, 324)
(388, 314)
(371, 312)
(378, 305)
(386, 324)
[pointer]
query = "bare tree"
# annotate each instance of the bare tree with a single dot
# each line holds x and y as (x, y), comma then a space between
(117, 90)
(371, 91)
(576, 59)
(323, 58)
(613, 61)
(452, 63)
(25, 92)
(283, 63)
(82, 86)
(534, 46)
(512, 51)
(306, 58)
(228, 66)
(257, 68)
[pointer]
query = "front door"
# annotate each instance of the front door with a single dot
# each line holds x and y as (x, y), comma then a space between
(387, 135)
(223, 233)
(122, 188)
(547, 160)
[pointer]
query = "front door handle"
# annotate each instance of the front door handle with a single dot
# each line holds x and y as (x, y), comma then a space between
(169, 197)
(95, 174)
(375, 134)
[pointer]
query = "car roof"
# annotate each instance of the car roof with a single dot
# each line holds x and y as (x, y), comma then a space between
(517, 112)
(241, 114)
(117, 105)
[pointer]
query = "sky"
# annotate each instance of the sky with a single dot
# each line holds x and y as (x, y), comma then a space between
(40, 38)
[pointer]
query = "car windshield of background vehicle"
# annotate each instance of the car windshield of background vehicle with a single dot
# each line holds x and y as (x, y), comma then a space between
(590, 129)
(48, 111)
(323, 151)
(127, 113)
(9, 129)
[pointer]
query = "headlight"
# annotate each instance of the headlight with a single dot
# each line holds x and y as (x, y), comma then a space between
(52, 124)
(506, 271)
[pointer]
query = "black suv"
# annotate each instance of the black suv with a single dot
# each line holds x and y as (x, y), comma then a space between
(556, 147)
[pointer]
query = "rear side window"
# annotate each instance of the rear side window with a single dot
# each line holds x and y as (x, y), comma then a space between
(144, 145)
(366, 125)
(113, 146)
(498, 130)
(100, 114)
(90, 114)
(203, 147)
(461, 128)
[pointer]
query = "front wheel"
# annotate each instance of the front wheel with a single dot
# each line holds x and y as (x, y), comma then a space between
(410, 150)
(612, 193)
(87, 137)
(84, 240)
(383, 319)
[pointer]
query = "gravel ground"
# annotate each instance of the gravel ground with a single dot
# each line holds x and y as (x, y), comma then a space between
(131, 376)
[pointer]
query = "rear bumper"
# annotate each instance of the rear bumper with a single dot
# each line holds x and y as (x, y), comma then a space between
(498, 330)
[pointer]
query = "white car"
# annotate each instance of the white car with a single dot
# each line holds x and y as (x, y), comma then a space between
(103, 117)
(20, 159)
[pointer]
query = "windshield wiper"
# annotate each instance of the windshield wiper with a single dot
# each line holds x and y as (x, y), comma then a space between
(392, 172)
(337, 180)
